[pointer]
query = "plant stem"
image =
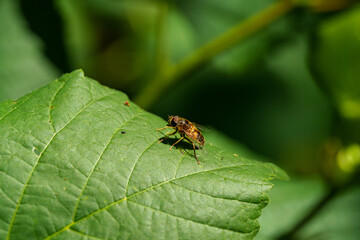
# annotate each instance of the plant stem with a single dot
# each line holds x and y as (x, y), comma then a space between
(160, 49)
(155, 88)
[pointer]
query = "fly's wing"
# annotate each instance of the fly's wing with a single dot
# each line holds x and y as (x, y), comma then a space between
(202, 149)
(200, 143)
(195, 137)
(201, 127)
(197, 145)
(193, 134)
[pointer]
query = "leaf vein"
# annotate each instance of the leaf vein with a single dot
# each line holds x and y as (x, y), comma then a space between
(186, 219)
(12, 110)
(7, 196)
(12, 177)
(37, 161)
(51, 105)
(99, 158)
(232, 199)
(177, 168)
(85, 235)
(133, 167)
(135, 194)
(239, 180)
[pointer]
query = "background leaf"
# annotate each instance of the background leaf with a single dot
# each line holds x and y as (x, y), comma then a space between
(336, 221)
(336, 59)
(23, 67)
(77, 163)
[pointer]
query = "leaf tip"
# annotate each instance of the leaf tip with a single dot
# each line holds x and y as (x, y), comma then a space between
(282, 175)
(279, 173)
(78, 73)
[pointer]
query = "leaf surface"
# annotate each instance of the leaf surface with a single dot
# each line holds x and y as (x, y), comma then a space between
(77, 163)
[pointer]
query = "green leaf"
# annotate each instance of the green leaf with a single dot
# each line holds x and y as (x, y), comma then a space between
(79, 31)
(338, 220)
(336, 59)
(77, 163)
(23, 68)
(292, 200)
(226, 143)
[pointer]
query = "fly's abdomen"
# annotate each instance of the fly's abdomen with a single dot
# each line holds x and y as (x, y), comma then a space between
(196, 136)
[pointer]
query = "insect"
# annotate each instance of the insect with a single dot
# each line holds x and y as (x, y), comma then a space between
(187, 131)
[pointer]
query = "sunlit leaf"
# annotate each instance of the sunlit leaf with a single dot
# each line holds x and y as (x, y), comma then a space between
(77, 162)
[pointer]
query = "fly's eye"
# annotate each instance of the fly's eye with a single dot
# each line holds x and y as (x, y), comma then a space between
(173, 123)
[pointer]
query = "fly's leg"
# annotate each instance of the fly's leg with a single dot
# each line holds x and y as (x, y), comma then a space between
(162, 128)
(182, 137)
(168, 135)
(194, 150)
(195, 154)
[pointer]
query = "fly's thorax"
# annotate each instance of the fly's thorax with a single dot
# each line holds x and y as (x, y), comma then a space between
(184, 123)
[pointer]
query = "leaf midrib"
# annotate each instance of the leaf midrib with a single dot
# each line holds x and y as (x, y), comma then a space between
(145, 190)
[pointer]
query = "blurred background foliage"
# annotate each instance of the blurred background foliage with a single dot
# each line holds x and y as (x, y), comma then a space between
(274, 80)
